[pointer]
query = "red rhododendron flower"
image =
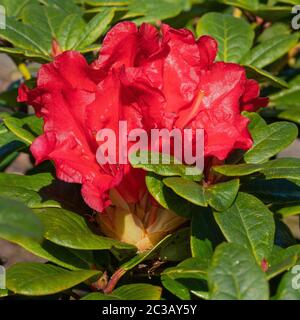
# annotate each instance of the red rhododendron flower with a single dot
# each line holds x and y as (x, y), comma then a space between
(151, 79)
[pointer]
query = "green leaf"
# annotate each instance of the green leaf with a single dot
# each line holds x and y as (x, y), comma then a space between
(166, 165)
(234, 275)
(289, 286)
(268, 139)
(265, 76)
(187, 189)
(289, 211)
(238, 170)
(283, 168)
(249, 5)
(286, 98)
(26, 189)
(32, 35)
(28, 39)
(276, 191)
(17, 222)
(270, 50)
(281, 260)
(36, 279)
(139, 291)
(283, 235)
(107, 2)
(94, 29)
(70, 230)
(13, 8)
(204, 234)
(188, 276)
(151, 11)
(219, 196)
(166, 197)
(250, 223)
(26, 129)
(10, 145)
(235, 36)
(176, 247)
(3, 293)
(274, 30)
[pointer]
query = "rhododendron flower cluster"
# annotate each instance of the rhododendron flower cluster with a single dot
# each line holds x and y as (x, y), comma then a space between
(152, 79)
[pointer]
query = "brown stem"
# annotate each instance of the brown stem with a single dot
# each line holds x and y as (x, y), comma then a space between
(114, 280)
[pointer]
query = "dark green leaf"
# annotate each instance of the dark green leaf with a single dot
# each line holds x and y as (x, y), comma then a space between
(250, 223)
(268, 139)
(70, 230)
(265, 76)
(219, 196)
(270, 50)
(17, 222)
(36, 279)
(188, 276)
(234, 275)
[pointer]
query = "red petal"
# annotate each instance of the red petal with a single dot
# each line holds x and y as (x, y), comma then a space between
(251, 101)
(208, 48)
(219, 110)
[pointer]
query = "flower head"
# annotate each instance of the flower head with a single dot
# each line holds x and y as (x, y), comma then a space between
(151, 79)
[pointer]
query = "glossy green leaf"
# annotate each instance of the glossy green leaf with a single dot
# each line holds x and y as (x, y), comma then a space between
(219, 196)
(94, 29)
(166, 165)
(281, 260)
(70, 230)
(10, 145)
(265, 77)
(26, 189)
(270, 50)
(151, 11)
(36, 279)
(289, 286)
(189, 275)
(32, 35)
(139, 291)
(28, 40)
(234, 275)
(268, 139)
(243, 169)
(176, 247)
(286, 98)
(242, 4)
(13, 8)
(283, 168)
(26, 129)
(235, 36)
(205, 233)
(289, 211)
(166, 197)
(17, 222)
(187, 189)
(276, 191)
(250, 223)
(274, 30)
